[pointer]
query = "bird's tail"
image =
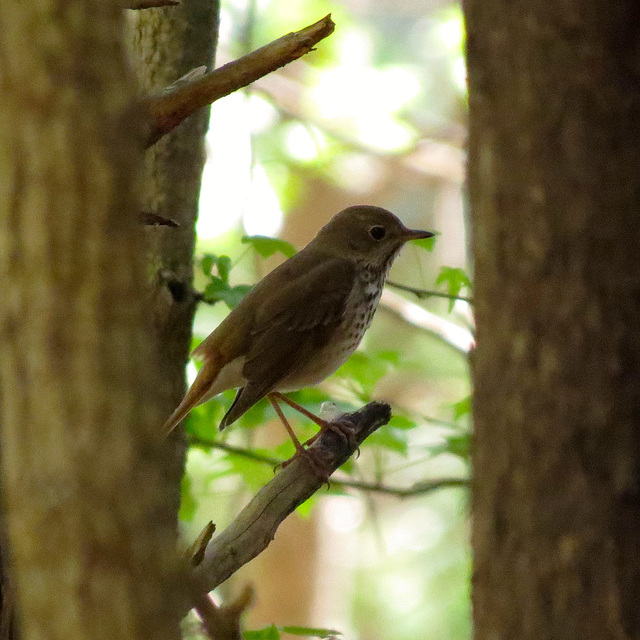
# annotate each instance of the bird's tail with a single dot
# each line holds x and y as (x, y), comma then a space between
(195, 396)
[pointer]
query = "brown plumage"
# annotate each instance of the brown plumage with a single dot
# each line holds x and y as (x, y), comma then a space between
(304, 318)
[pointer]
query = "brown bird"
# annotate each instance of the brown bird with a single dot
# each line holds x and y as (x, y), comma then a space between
(302, 320)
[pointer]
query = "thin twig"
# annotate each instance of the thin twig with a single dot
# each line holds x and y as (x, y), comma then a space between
(417, 489)
(249, 454)
(459, 338)
(195, 553)
(428, 293)
(169, 109)
(223, 622)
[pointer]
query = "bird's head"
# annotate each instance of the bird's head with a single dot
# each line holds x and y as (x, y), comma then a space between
(367, 234)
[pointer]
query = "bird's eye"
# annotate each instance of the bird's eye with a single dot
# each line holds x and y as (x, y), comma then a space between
(377, 233)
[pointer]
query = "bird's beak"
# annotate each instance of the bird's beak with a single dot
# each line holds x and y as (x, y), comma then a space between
(416, 234)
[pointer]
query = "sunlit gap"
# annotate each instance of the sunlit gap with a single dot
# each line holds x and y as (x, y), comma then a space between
(232, 190)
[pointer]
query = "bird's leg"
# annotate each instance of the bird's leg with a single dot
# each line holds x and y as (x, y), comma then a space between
(342, 428)
(316, 467)
(285, 422)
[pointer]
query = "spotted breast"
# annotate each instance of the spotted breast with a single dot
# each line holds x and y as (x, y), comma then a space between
(359, 311)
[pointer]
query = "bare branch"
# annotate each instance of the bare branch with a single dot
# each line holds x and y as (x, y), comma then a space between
(150, 4)
(170, 108)
(223, 622)
(249, 454)
(195, 553)
(417, 489)
(255, 526)
(459, 338)
(427, 293)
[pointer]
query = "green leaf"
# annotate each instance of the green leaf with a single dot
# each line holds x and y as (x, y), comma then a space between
(255, 474)
(390, 356)
(255, 416)
(267, 246)
(213, 289)
(365, 370)
(268, 633)
(427, 243)
(188, 503)
(391, 439)
(232, 296)
(203, 421)
(207, 262)
(224, 266)
(460, 445)
(402, 422)
(455, 279)
(304, 510)
(457, 445)
(348, 467)
(310, 631)
(461, 408)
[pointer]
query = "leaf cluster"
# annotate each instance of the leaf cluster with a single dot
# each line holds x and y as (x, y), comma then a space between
(274, 633)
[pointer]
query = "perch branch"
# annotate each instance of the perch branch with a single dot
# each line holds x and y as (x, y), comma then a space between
(255, 526)
(170, 108)
(427, 293)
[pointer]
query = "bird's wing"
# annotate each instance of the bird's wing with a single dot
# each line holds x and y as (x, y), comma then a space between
(290, 326)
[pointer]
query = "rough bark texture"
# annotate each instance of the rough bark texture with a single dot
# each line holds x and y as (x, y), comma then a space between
(167, 43)
(555, 195)
(89, 522)
(8, 621)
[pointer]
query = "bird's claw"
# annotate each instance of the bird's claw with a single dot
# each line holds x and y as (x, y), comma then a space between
(345, 430)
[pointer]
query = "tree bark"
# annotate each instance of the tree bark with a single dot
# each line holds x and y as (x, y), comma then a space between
(89, 522)
(554, 183)
(8, 621)
(165, 45)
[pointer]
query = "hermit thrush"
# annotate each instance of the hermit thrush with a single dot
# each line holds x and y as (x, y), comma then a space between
(302, 320)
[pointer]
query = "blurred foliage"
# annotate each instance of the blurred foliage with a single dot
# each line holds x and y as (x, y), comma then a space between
(455, 280)
(273, 633)
(388, 84)
(267, 246)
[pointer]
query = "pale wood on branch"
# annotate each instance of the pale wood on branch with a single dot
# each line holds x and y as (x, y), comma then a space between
(170, 108)
(255, 526)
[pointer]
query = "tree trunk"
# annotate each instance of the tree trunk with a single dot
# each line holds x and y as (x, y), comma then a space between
(554, 184)
(89, 522)
(166, 44)
(8, 622)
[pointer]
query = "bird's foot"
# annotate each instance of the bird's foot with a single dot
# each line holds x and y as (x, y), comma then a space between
(317, 465)
(341, 427)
